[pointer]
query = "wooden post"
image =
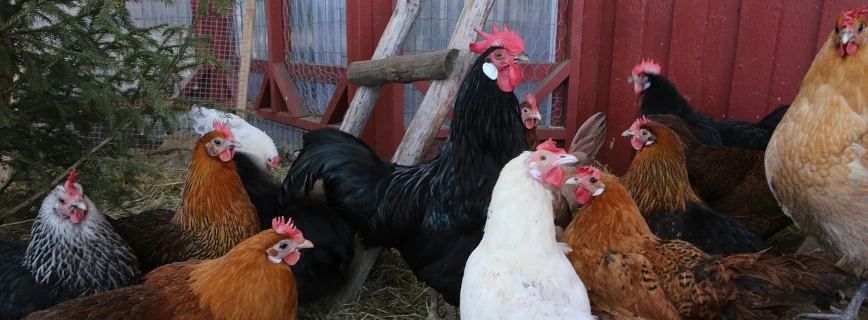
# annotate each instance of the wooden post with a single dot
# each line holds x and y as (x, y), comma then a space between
(246, 50)
(441, 93)
(405, 14)
(403, 69)
(402, 20)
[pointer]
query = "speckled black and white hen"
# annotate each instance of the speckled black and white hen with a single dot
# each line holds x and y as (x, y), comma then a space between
(74, 252)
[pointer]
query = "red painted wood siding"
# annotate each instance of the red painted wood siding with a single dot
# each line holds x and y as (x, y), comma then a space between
(733, 59)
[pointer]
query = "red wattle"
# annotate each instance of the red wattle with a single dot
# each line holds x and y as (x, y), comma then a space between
(509, 78)
(636, 143)
(555, 176)
(227, 155)
(851, 48)
(582, 195)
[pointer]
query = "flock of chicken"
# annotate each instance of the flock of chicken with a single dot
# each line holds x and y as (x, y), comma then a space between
(679, 236)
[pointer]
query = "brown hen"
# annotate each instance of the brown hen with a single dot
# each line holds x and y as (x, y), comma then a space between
(215, 213)
(252, 281)
(631, 273)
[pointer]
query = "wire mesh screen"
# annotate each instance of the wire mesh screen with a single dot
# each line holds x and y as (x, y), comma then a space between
(540, 23)
(216, 84)
(316, 46)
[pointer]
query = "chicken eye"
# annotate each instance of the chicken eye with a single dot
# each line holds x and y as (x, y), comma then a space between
(861, 26)
(542, 158)
(283, 246)
(498, 55)
(593, 180)
(61, 201)
(524, 110)
(217, 142)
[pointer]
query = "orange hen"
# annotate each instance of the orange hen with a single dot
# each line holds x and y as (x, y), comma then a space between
(215, 213)
(252, 281)
(631, 273)
(816, 162)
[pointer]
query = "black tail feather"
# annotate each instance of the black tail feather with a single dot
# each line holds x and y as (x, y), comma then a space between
(350, 169)
(322, 270)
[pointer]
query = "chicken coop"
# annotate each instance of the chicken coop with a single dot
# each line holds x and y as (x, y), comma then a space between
(732, 59)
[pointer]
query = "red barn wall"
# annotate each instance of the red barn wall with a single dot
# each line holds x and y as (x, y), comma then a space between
(732, 59)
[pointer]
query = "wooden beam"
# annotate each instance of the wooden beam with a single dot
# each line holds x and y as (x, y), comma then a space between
(246, 50)
(554, 79)
(441, 93)
(403, 17)
(403, 69)
(402, 20)
(287, 87)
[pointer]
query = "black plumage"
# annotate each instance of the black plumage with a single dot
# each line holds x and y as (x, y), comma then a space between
(711, 231)
(323, 269)
(662, 97)
(433, 213)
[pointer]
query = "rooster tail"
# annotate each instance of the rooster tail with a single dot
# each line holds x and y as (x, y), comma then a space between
(771, 284)
(349, 169)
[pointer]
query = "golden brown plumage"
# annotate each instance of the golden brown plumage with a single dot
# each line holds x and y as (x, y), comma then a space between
(631, 273)
(243, 284)
(730, 180)
(215, 213)
(658, 180)
(816, 162)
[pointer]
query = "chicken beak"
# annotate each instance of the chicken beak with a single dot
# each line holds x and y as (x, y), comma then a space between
(846, 36)
(521, 58)
(572, 180)
(80, 205)
(234, 144)
(305, 245)
(566, 159)
(628, 133)
(632, 79)
(535, 115)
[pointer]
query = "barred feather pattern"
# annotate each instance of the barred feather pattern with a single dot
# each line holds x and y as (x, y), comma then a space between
(77, 260)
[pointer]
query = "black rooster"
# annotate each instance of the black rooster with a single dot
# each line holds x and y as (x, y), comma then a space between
(433, 213)
(660, 96)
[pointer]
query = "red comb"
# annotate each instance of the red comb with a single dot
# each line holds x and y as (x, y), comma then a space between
(507, 39)
(646, 66)
(287, 228)
(70, 189)
(589, 170)
(851, 15)
(220, 126)
(531, 100)
(550, 145)
(639, 123)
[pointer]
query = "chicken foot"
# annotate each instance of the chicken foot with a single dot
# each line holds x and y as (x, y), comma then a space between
(434, 306)
(849, 314)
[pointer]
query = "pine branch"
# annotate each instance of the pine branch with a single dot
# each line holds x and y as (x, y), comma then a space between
(65, 173)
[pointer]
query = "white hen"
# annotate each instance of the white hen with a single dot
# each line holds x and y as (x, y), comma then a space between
(253, 140)
(519, 270)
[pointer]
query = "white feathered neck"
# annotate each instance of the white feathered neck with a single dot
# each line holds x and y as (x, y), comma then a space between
(520, 213)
